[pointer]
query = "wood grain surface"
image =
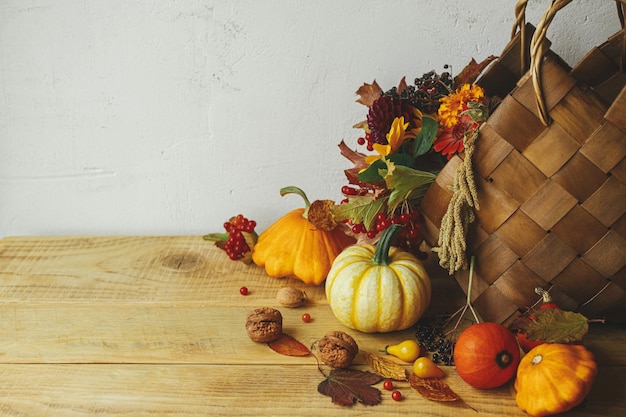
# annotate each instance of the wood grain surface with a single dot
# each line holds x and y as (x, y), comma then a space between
(154, 326)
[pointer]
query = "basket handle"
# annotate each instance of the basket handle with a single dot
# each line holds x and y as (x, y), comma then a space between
(538, 48)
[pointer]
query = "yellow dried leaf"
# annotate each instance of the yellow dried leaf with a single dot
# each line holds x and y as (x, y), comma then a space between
(385, 367)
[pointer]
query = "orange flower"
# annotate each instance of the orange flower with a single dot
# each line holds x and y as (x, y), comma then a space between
(456, 103)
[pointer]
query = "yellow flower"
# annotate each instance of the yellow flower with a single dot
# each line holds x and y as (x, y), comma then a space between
(455, 103)
(395, 137)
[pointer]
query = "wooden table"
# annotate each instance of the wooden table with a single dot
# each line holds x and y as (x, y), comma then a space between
(154, 326)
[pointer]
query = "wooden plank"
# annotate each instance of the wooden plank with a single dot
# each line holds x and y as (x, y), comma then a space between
(153, 269)
(242, 390)
(204, 334)
(134, 269)
(143, 269)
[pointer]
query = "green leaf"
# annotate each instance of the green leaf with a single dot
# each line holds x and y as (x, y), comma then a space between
(372, 173)
(359, 209)
(406, 184)
(426, 136)
(556, 326)
(477, 111)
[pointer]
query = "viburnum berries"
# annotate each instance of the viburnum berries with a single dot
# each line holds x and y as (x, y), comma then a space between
(239, 238)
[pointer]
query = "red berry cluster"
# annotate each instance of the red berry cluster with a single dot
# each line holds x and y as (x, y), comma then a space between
(410, 221)
(366, 139)
(236, 246)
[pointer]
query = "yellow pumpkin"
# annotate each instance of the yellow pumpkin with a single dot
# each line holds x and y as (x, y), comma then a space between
(294, 247)
(378, 289)
(553, 378)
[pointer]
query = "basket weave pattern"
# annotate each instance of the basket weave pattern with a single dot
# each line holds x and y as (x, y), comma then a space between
(552, 198)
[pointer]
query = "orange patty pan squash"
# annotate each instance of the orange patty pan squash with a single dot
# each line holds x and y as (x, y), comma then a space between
(553, 378)
(378, 289)
(303, 243)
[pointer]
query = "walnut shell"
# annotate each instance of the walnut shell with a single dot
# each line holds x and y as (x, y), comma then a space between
(290, 297)
(337, 349)
(264, 324)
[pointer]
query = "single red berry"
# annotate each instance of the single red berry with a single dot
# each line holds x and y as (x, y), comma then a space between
(306, 317)
(396, 395)
(243, 290)
(388, 384)
(361, 141)
(357, 228)
(347, 190)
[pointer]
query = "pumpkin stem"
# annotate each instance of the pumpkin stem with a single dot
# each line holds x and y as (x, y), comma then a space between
(381, 255)
(295, 190)
(545, 295)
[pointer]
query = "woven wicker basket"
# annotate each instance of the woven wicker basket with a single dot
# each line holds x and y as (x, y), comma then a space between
(550, 170)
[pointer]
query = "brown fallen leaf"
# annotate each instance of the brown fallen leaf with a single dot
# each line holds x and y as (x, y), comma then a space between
(433, 389)
(347, 386)
(288, 346)
(385, 367)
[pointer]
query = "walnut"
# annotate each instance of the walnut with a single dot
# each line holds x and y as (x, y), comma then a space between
(337, 349)
(264, 324)
(290, 297)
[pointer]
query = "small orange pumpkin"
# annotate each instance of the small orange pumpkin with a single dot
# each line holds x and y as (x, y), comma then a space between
(553, 378)
(296, 248)
(486, 355)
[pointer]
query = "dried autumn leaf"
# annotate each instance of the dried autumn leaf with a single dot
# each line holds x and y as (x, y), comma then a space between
(433, 389)
(470, 73)
(402, 86)
(556, 326)
(368, 93)
(357, 158)
(348, 386)
(321, 216)
(385, 367)
(288, 346)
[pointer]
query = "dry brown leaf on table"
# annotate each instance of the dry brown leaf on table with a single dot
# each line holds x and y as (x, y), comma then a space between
(287, 345)
(385, 367)
(433, 389)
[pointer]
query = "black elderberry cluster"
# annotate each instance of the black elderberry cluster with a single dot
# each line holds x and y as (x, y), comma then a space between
(431, 336)
(426, 91)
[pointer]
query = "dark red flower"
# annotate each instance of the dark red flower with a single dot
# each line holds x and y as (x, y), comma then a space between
(382, 113)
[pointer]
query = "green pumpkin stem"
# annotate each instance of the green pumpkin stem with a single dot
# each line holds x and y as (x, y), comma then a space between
(381, 255)
(295, 190)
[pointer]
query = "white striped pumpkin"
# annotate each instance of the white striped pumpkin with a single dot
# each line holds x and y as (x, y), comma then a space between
(378, 289)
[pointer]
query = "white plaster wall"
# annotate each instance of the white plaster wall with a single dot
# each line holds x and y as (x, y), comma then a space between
(168, 117)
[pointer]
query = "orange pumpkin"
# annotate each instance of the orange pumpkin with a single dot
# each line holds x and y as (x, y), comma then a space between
(486, 355)
(554, 378)
(296, 248)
